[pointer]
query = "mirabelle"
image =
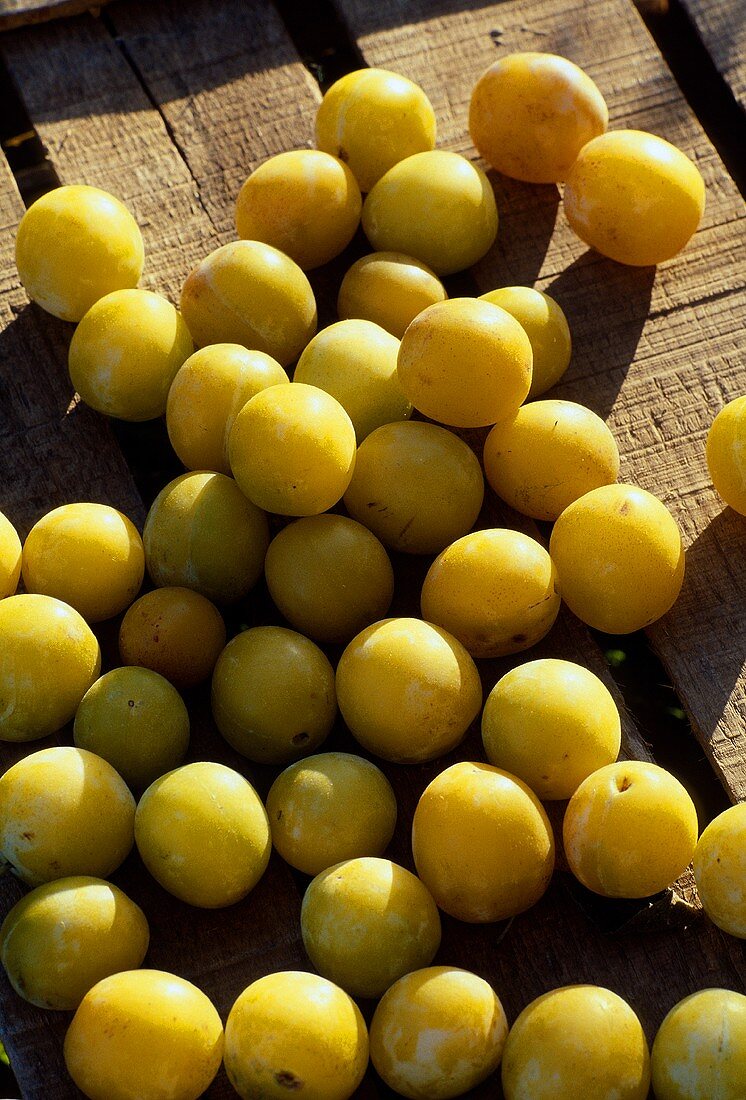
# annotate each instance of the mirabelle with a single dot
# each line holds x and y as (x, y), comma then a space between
(532, 113)
(206, 396)
(366, 922)
(629, 830)
(203, 834)
(407, 690)
(417, 486)
(634, 197)
(125, 353)
(74, 245)
(249, 293)
(720, 870)
(292, 1031)
(136, 720)
(329, 808)
(466, 363)
(292, 450)
(203, 533)
(64, 811)
(144, 1033)
(10, 558)
(175, 632)
(49, 657)
(372, 119)
(273, 695)
(726, 454)
(619, 557)
(355, 361)
(548, 455)
(88, 555)
(329, 576)
(482, 843)
(303, 202)
(65, 936)
(436, 206)
(580, 1040)
(546, 327)
(389, 289)
(496, 591)
(700, 1048)
(552, 723)
(437, 1033)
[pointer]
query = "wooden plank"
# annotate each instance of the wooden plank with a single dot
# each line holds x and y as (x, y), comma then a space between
(721, 25)
(19, 13)
(108, 134)
(656, 353)
(227, 108)
(121, 138)
(52, 449)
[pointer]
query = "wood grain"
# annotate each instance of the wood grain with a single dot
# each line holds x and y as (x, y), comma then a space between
(656, 352)
(230, 85)
(722, 27)
(171, 116)
(52, 449)
(19, 13)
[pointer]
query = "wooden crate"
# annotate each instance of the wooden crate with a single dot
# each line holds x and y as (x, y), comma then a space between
(169, 106)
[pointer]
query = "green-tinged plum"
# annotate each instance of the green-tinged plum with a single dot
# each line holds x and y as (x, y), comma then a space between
(64, 811)
(202, 832)
(366, 922)
(135, 719)
(65, 936)
(203, 533)
(273, 695)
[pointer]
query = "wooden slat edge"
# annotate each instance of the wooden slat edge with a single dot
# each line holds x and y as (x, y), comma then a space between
(21, 13)
(721, 24)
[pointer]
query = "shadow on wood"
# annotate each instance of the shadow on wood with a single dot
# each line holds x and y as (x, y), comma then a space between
(217, 45)
(528, 213)
(715, 567)
(607, 305)
(49, 446)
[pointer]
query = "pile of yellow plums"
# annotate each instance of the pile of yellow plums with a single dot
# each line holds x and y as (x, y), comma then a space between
(311, 483)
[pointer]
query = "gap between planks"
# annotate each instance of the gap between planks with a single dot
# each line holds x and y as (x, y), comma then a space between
(704, 44)
(721, 25)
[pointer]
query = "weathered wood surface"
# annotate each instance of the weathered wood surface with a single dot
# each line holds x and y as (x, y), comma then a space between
(229, 90)
(112, 137)
(51, 448)
(657, 353)
(722, 27)
(19, 13)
